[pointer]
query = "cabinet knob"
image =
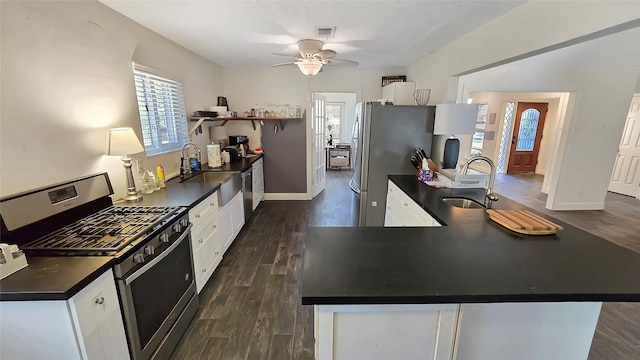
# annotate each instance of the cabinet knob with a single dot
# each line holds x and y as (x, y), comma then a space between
(200, 241)
(213, 226)
(204, 270)
(212, 204)
(217, 252)
(100, 300)
(405, 204)
(197, 216)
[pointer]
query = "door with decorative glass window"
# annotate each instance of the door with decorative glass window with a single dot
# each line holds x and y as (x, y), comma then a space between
(527, 134)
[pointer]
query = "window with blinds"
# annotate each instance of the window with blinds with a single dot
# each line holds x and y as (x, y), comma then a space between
(162, 113)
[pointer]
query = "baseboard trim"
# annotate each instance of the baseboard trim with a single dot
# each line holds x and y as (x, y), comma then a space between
(285, 196)
(578, 206)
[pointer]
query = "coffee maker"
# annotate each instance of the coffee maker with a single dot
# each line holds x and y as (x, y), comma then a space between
(241, 142)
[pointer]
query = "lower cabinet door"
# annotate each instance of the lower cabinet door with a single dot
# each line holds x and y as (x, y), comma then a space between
(225, 227)
(382, 332)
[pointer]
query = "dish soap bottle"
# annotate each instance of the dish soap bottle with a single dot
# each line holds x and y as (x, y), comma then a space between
(161, 183)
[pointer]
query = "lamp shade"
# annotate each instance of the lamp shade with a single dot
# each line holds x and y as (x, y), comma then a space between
(310, 67)
(123, 141)
(458, 119)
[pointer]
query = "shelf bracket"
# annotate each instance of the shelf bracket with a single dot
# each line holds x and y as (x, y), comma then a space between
(281, 124)
(254, 125)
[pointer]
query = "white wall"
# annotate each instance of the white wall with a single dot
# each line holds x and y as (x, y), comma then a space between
(592, 127)
(66, 78)
(531, 26)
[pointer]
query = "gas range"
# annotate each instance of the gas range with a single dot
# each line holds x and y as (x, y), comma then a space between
(151, 248)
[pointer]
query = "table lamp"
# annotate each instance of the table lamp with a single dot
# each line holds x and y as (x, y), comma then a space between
(454, 119)
(123, 141)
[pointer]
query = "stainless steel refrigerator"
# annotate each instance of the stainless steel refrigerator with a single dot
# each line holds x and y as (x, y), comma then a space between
(384, 137)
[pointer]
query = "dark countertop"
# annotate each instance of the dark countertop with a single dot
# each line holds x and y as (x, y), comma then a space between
(470, 259)
(53, 278)
(60, 278)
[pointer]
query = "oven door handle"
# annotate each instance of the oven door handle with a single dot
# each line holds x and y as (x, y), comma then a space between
(156, 260)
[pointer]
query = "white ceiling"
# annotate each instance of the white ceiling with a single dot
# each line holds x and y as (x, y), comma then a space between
(377, 34)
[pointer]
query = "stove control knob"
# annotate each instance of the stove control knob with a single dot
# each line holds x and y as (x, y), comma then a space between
(164, 238)
(177, 227)
(149, 250)
(138, 258)
(184, 222)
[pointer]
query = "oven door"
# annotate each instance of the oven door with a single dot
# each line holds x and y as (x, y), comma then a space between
(155, 295)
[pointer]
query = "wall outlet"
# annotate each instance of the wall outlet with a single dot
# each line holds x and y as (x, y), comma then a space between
(374, 203)
(139, 165)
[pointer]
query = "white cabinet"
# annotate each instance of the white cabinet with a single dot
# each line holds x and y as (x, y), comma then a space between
(231, 220)
(257, 168)
(377, 332)
(87, 326)
(403, 211)
(206, 244)
(400, 93)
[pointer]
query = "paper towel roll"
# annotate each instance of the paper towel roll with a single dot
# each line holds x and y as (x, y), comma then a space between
(213, 154)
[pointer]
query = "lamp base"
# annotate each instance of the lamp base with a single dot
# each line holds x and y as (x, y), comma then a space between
(133, 197)
(451, 153)
(132, 194)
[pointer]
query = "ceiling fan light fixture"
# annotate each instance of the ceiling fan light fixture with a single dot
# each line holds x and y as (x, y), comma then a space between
(309, 68)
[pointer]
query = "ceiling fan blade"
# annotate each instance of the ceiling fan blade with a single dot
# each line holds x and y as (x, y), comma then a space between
(338, 62)
(282, 64)
(287, 55)
(324, 54)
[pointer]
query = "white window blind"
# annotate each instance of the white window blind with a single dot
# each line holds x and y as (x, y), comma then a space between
(162, 114)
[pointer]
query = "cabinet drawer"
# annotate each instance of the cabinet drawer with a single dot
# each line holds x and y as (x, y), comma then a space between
(201, 235)
(204, 268)
(204, 208)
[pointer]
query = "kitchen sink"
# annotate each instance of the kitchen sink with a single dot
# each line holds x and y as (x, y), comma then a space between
(230, 183)
(463, 203)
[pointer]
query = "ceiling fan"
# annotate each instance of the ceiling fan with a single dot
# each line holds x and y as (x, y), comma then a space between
(312, 57)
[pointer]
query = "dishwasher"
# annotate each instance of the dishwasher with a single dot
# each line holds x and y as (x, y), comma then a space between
(247, 193)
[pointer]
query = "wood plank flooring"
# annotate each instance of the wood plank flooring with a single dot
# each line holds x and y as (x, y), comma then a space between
(250, 308)
(617, 335)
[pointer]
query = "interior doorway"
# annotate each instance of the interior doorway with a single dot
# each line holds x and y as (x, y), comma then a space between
(625, 178)
(526, 138)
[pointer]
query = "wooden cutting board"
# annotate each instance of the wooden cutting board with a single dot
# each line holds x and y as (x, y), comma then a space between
(524, 222)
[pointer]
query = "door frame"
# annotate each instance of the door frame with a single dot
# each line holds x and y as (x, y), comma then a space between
(539, 131)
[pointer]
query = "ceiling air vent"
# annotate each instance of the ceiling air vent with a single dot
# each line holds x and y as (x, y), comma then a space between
(325, 31)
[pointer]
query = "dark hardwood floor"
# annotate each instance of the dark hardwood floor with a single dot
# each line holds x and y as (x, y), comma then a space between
(250, 308)
(617, 335)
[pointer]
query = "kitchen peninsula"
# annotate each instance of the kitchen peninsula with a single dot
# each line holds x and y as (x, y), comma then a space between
(469, 289)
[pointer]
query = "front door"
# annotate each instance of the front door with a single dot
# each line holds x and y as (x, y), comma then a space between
(527, 134)
(626, 171)
(317, 125)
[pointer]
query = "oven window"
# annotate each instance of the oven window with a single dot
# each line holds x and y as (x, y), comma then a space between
(158, 290)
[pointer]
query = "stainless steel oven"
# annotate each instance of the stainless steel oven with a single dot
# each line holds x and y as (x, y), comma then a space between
(150, 247)
(158, 295)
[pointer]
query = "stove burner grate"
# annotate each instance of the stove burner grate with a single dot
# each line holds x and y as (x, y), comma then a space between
(108, 230)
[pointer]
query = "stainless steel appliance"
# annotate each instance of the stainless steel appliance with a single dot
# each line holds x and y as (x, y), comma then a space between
(384, 136)
(150, 245)
(247, 193)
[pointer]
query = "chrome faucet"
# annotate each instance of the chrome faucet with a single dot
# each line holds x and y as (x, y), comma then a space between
(186, 170)
(490, 196)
